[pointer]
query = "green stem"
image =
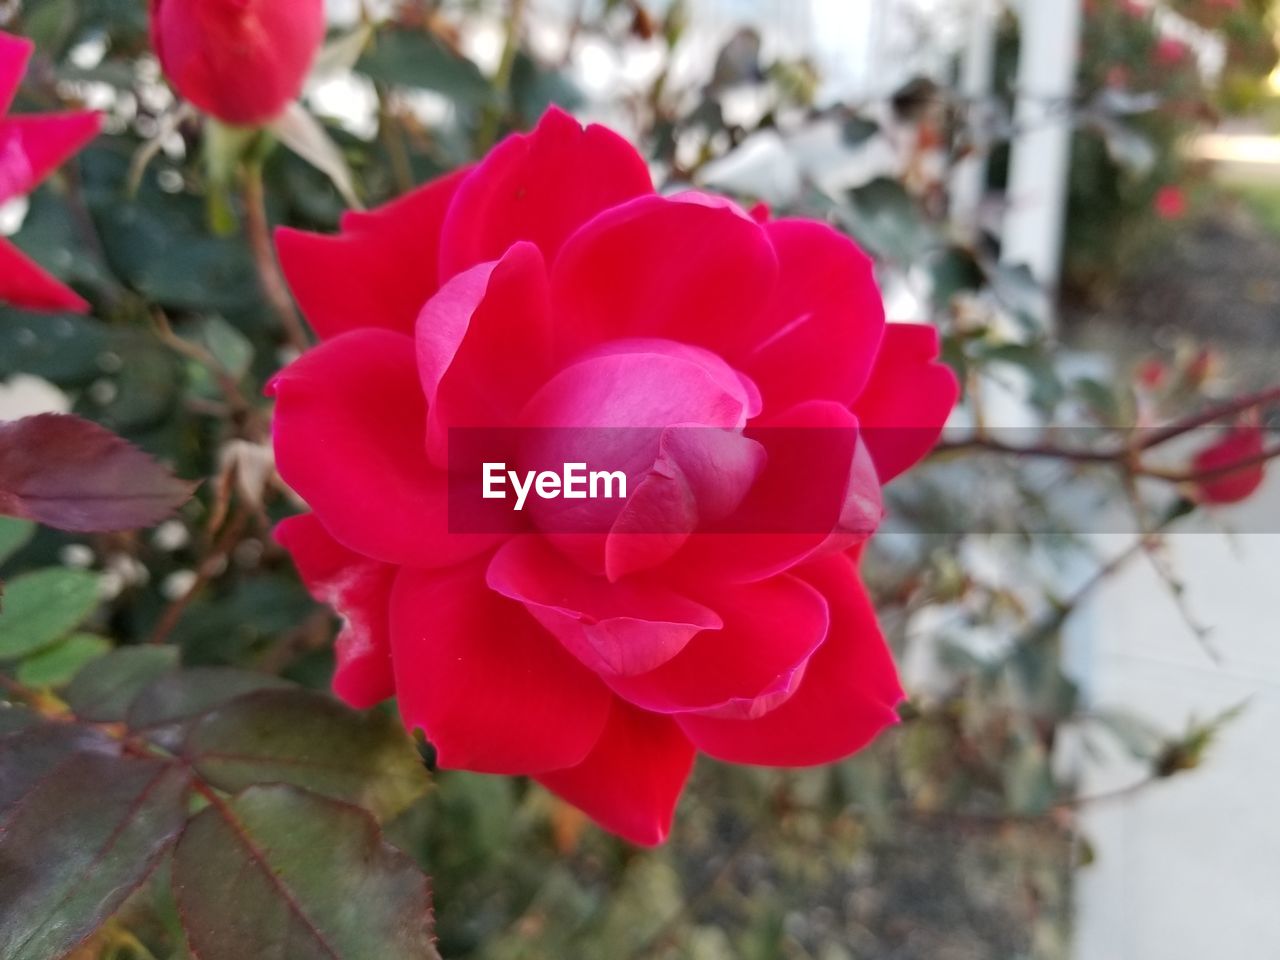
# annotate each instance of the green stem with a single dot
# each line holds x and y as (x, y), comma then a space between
(502, 78)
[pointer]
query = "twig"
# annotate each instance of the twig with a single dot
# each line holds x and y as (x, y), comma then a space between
(1221, 412)
(392, 136)
(1213, 473)
(502, 78)
(209, 568)
(236, 400)
(264, 258)
(1047, 451)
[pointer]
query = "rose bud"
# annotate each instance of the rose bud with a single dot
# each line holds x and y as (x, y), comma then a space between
(1240, 445)
(241, 61)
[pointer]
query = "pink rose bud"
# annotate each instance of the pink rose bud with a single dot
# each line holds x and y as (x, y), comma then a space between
(241, 61)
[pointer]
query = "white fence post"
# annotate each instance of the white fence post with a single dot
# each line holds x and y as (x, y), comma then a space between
(969, 179)
(1034, 223)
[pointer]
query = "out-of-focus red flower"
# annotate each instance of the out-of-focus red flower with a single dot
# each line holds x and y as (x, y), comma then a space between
(1153, 373)
(30, 148)
(551, 287)
(241, 61)
(1170, 52)
(1171, 203)
(1238, 446)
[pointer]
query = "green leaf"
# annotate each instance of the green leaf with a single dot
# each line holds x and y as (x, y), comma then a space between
(167, 708)
(310, 741)
(534, 88)
(78, 844)
(302, 133)
(857, 130)
(414, 58)
(884, 217)
(103, 692)
(955, 271)
(278, 872)
(42, 607)
(64, 349)
(57, 665)
(1028, 778)
(225, 343)
(14, 535)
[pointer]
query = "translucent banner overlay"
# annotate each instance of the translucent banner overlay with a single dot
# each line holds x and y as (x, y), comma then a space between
(678, 481)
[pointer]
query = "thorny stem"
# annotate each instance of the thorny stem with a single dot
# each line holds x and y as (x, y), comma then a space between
(1126, 456)
(264, 258)
(1221, 412)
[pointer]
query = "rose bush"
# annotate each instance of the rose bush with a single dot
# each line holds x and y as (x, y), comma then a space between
(30, 148)
(241, 61)
(742, 370)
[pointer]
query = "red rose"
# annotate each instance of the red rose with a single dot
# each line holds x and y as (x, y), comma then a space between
(31, 147)
(1170, 52)
(1241, 445)
(743, 372)
(241, 61)
(1171, 203)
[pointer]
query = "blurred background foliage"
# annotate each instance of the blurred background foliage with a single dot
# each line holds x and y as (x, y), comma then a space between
(955, 836)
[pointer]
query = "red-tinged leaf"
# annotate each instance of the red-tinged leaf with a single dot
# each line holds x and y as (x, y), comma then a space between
(30, 753)
(74, 848)
(72, 474)
(279, 872)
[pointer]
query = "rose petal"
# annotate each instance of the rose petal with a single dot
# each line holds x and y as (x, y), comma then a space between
(679, 268)
(349, 426)
(701, 475)
(492, 690)
(821, 331)
(907, 400)
(379, 271)
(818, 493)
(483, 345)
(748, 667)
(631, 782)
(15, 52)
(848, 695)
(539, 187)
(609, 411)
(359, 590)
(24, 284)
(614, 628)
(31, 147)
